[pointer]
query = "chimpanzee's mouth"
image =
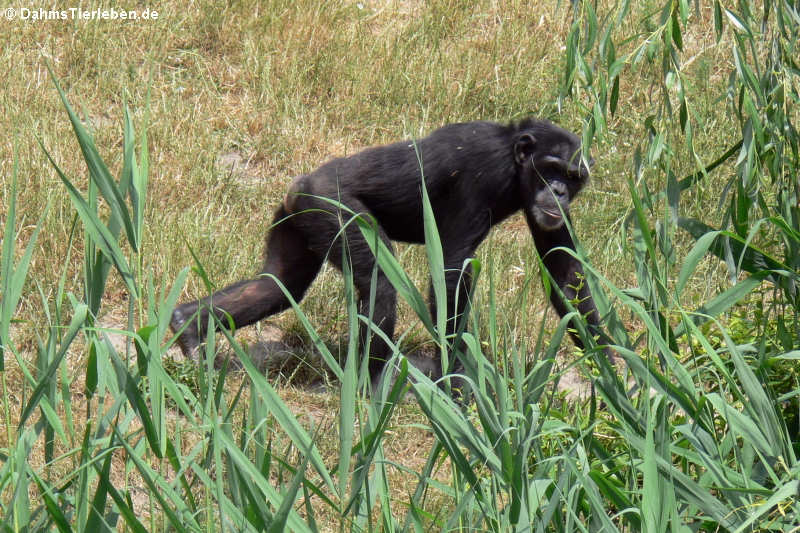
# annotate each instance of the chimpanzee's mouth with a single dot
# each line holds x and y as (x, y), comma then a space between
(551, 214)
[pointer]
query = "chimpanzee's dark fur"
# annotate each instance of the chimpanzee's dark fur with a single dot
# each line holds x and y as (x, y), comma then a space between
(476, 174)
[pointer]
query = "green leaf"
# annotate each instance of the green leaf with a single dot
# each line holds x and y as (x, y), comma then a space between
(281, 518)
(347, 394)
(683, 114)
(748, 258)
(718, 20)
(786, 492)
(690, 180)
(124, 509)
(591, 27)
(614, 96)
(677, 38)
(264, 484)
(741, 424)
(138, 401)
(693, 258)
(12, 279)
(571, 61)
(283, 415)
(98, 232)
(684, 10)
(54, 512)
(98, 171)
(8, 274)
(316, 340)
(91, 369)
(142, 352)
(96, 520)
(738, 23)
(170, 502)
(610, 489)
(433, 249)
(451, 426)
(794, 355)
(45, 379)
(724, 301)
(689, 490)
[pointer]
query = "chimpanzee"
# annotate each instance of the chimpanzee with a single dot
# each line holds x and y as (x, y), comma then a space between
(476, 174)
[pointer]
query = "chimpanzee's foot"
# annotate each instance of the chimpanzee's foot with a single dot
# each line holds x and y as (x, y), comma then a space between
(189, 340)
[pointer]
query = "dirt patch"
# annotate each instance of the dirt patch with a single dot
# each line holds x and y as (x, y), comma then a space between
(575, 386)
(242, 168)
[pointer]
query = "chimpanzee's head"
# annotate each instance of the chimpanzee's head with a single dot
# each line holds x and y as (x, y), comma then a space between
(551, 171)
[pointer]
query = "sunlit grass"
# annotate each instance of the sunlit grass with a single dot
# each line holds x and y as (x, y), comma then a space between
(695, 428)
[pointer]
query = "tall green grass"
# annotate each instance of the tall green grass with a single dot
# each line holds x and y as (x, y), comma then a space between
(698, 433)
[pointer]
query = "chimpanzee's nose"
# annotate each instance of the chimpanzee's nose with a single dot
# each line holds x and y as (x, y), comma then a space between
(559, 189)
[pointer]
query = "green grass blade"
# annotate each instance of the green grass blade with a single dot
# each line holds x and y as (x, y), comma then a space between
(369, 446)
(347, 394)
(97, 168)
(445, 415)
(760, 406)
(19, 518)
(177, 465)
(691, 491)
(282, 413)
(395, 274)
(168, 305)
(12, 279)
(44, 380)
(433, 249)
(281, 518)
(264, 484)
(7, 272)
(121, 503)
(128, 157)
(140, 179)
(388, 264)
(723, 301)
(159, 488)
(641, 219)
(748, 257)
(741, 424)
(222, 506)
(98, 232)
(651, 493)
(787, 515)
(137, 177)
(316, 340)
(96, 521)
(137, 400)
(695, 255)
(54, 512)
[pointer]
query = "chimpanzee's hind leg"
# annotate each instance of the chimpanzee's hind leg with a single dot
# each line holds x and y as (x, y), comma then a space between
(288, 258)
(321, 223)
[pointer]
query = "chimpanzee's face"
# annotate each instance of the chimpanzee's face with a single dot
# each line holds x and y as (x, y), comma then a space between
(551, 174)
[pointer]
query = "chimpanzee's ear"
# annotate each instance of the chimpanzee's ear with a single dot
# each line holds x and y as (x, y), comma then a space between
(524, 147)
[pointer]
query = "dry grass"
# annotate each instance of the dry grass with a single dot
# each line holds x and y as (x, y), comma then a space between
(244, 97)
